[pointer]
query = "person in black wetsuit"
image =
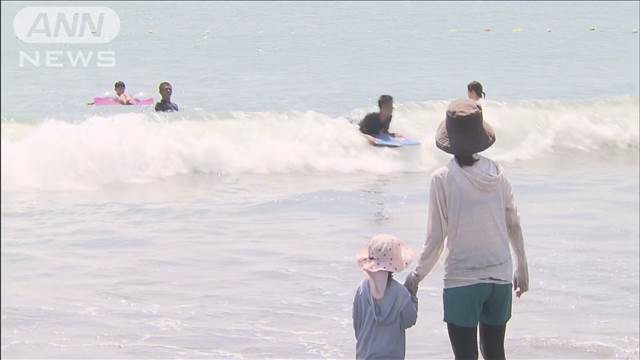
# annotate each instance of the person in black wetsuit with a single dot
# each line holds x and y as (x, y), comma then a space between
(165, 104)
(377, 123)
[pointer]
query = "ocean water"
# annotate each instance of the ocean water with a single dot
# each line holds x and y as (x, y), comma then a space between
(229, 229)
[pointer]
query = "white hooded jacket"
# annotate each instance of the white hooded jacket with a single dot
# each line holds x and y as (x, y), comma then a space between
(473, 208)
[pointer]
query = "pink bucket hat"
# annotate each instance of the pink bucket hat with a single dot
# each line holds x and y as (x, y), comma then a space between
(385, 252)
(383, 255)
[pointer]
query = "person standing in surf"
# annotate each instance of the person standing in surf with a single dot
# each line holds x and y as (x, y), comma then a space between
(475, 92)
(165, 104)
(377, 123)
(471, 205)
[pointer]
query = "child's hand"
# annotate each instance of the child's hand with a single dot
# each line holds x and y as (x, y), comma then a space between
(411, 284)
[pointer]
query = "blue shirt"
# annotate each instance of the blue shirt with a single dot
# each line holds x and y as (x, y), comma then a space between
(380, 324)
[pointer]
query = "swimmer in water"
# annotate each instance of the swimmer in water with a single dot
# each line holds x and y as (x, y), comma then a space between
(165, 104)
(475, 92)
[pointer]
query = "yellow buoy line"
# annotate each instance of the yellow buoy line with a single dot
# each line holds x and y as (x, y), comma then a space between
(519, 29)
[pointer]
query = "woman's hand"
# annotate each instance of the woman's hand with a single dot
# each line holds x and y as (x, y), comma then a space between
(521, 281)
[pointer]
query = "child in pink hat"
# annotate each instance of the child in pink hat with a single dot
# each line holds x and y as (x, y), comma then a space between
(382, 307)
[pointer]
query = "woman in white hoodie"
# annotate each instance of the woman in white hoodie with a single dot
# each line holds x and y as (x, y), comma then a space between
(471, 205)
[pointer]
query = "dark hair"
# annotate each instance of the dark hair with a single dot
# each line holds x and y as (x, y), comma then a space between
(465, 160)
(119, 84)
(163, 83)
(384, 99)
(476, 87)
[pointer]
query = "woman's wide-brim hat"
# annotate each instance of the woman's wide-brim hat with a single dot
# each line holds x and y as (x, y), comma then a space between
(464, 132)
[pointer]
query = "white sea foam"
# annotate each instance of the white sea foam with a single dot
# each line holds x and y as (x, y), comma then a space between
(54, 154)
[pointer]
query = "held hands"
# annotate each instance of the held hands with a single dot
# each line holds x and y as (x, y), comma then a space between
(411, 283)
(521, 281)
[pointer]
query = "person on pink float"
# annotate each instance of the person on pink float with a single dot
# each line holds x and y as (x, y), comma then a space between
(121, 96)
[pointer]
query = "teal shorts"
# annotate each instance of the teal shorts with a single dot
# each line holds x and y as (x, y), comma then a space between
(486, 303)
